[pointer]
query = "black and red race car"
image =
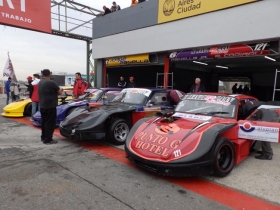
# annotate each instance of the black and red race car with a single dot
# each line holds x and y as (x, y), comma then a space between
(207, 133)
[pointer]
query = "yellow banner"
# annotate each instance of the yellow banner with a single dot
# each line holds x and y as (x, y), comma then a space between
(128, 60)
(170, 10)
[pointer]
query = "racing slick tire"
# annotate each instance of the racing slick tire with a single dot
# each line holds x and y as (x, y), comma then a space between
(118, 131)
(224, 157)
(27, 110)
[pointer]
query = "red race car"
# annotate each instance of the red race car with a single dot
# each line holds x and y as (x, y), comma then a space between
(207, 133)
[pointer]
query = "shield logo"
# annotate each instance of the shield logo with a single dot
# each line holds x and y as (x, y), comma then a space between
(168, 7)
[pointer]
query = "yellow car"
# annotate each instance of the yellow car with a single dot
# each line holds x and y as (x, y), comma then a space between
(23, 107)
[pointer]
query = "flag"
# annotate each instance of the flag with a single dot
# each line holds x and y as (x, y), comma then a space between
(9, 70)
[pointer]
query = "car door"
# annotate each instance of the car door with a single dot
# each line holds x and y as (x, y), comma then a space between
(263, 124)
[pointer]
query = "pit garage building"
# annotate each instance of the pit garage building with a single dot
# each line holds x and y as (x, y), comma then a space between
(168, 43)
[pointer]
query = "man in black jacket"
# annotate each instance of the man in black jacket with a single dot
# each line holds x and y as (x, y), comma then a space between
(197, 87)
(29, 85)
(122, 83)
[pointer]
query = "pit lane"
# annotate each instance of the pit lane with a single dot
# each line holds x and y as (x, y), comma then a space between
(89, 175)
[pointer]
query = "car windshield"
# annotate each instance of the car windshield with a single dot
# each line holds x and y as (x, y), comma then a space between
(133, 96)
(221, 106)
(92, 94)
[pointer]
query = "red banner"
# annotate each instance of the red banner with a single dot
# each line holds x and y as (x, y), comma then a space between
(29, 14)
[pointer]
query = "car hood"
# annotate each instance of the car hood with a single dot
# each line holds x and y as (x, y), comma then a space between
(84, 118)
(21, 103)
(160, 139)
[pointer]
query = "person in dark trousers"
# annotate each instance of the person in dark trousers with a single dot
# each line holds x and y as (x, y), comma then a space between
(197, 86)
(106, 10)
(7, 90)
(234, 88)
(131, 83)
(48, 101)
(29, 86)
(122, 83)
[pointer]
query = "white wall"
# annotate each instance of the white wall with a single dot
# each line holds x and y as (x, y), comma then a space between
(255, 21)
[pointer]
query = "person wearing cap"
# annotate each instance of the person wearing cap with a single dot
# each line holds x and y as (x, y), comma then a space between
(131, 83)
(48, 91)
(35, 95)
(80, 85)
(29, 85)
(106, 10)
(7, 90)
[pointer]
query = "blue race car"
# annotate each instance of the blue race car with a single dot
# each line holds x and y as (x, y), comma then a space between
(93, 97)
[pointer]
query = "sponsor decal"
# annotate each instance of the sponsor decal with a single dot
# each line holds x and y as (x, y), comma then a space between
(155, 143)
(229, 51)
(145, 92)
(128, 60)
(261, 133)
(223, 100)
(192, 116)
(170, 10)
(29, 14)
(168, 129)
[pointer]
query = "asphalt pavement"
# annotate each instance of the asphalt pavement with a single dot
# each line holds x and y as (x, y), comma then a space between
(70, 176)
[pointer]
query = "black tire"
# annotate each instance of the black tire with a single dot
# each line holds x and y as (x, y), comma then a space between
(118, 131)
(27, 110)
(224, 157)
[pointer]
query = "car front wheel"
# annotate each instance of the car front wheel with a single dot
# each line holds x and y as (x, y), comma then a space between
(224, 157)
(118, 131)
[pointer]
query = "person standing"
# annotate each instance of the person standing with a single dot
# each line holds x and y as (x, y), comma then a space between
(80, 85)
(29, 85)
(240, 89)
(7, 90)
(35, 95)
(197, 87)
(122, 83)
(48, 101)
(131, 83)
(14, 91)
(234, 88)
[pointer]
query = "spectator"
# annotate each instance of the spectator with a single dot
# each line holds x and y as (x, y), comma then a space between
(122, 83)
(240, 89)
(131, 83)
(133, 2)
(197, 87)
(35, 95)
(7, 90)
(48, 101)
(234, 88)
(29, 85)
(14, 91)
(246, 89)
(113, 9)
(117, 7)
(80, 85)
(106, 10)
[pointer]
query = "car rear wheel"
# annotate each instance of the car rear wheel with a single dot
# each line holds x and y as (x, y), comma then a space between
(28, 110)
(118, 131)
(224, 157)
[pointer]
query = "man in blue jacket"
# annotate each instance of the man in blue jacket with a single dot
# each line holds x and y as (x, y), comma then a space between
(7, 89)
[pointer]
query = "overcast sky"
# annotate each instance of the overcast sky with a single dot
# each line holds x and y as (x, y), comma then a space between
(32, 51)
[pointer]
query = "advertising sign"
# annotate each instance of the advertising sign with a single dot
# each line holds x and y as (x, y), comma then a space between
(170, 10)
(29, 14)
(128, 60)
(261, 133)
(228, 51)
